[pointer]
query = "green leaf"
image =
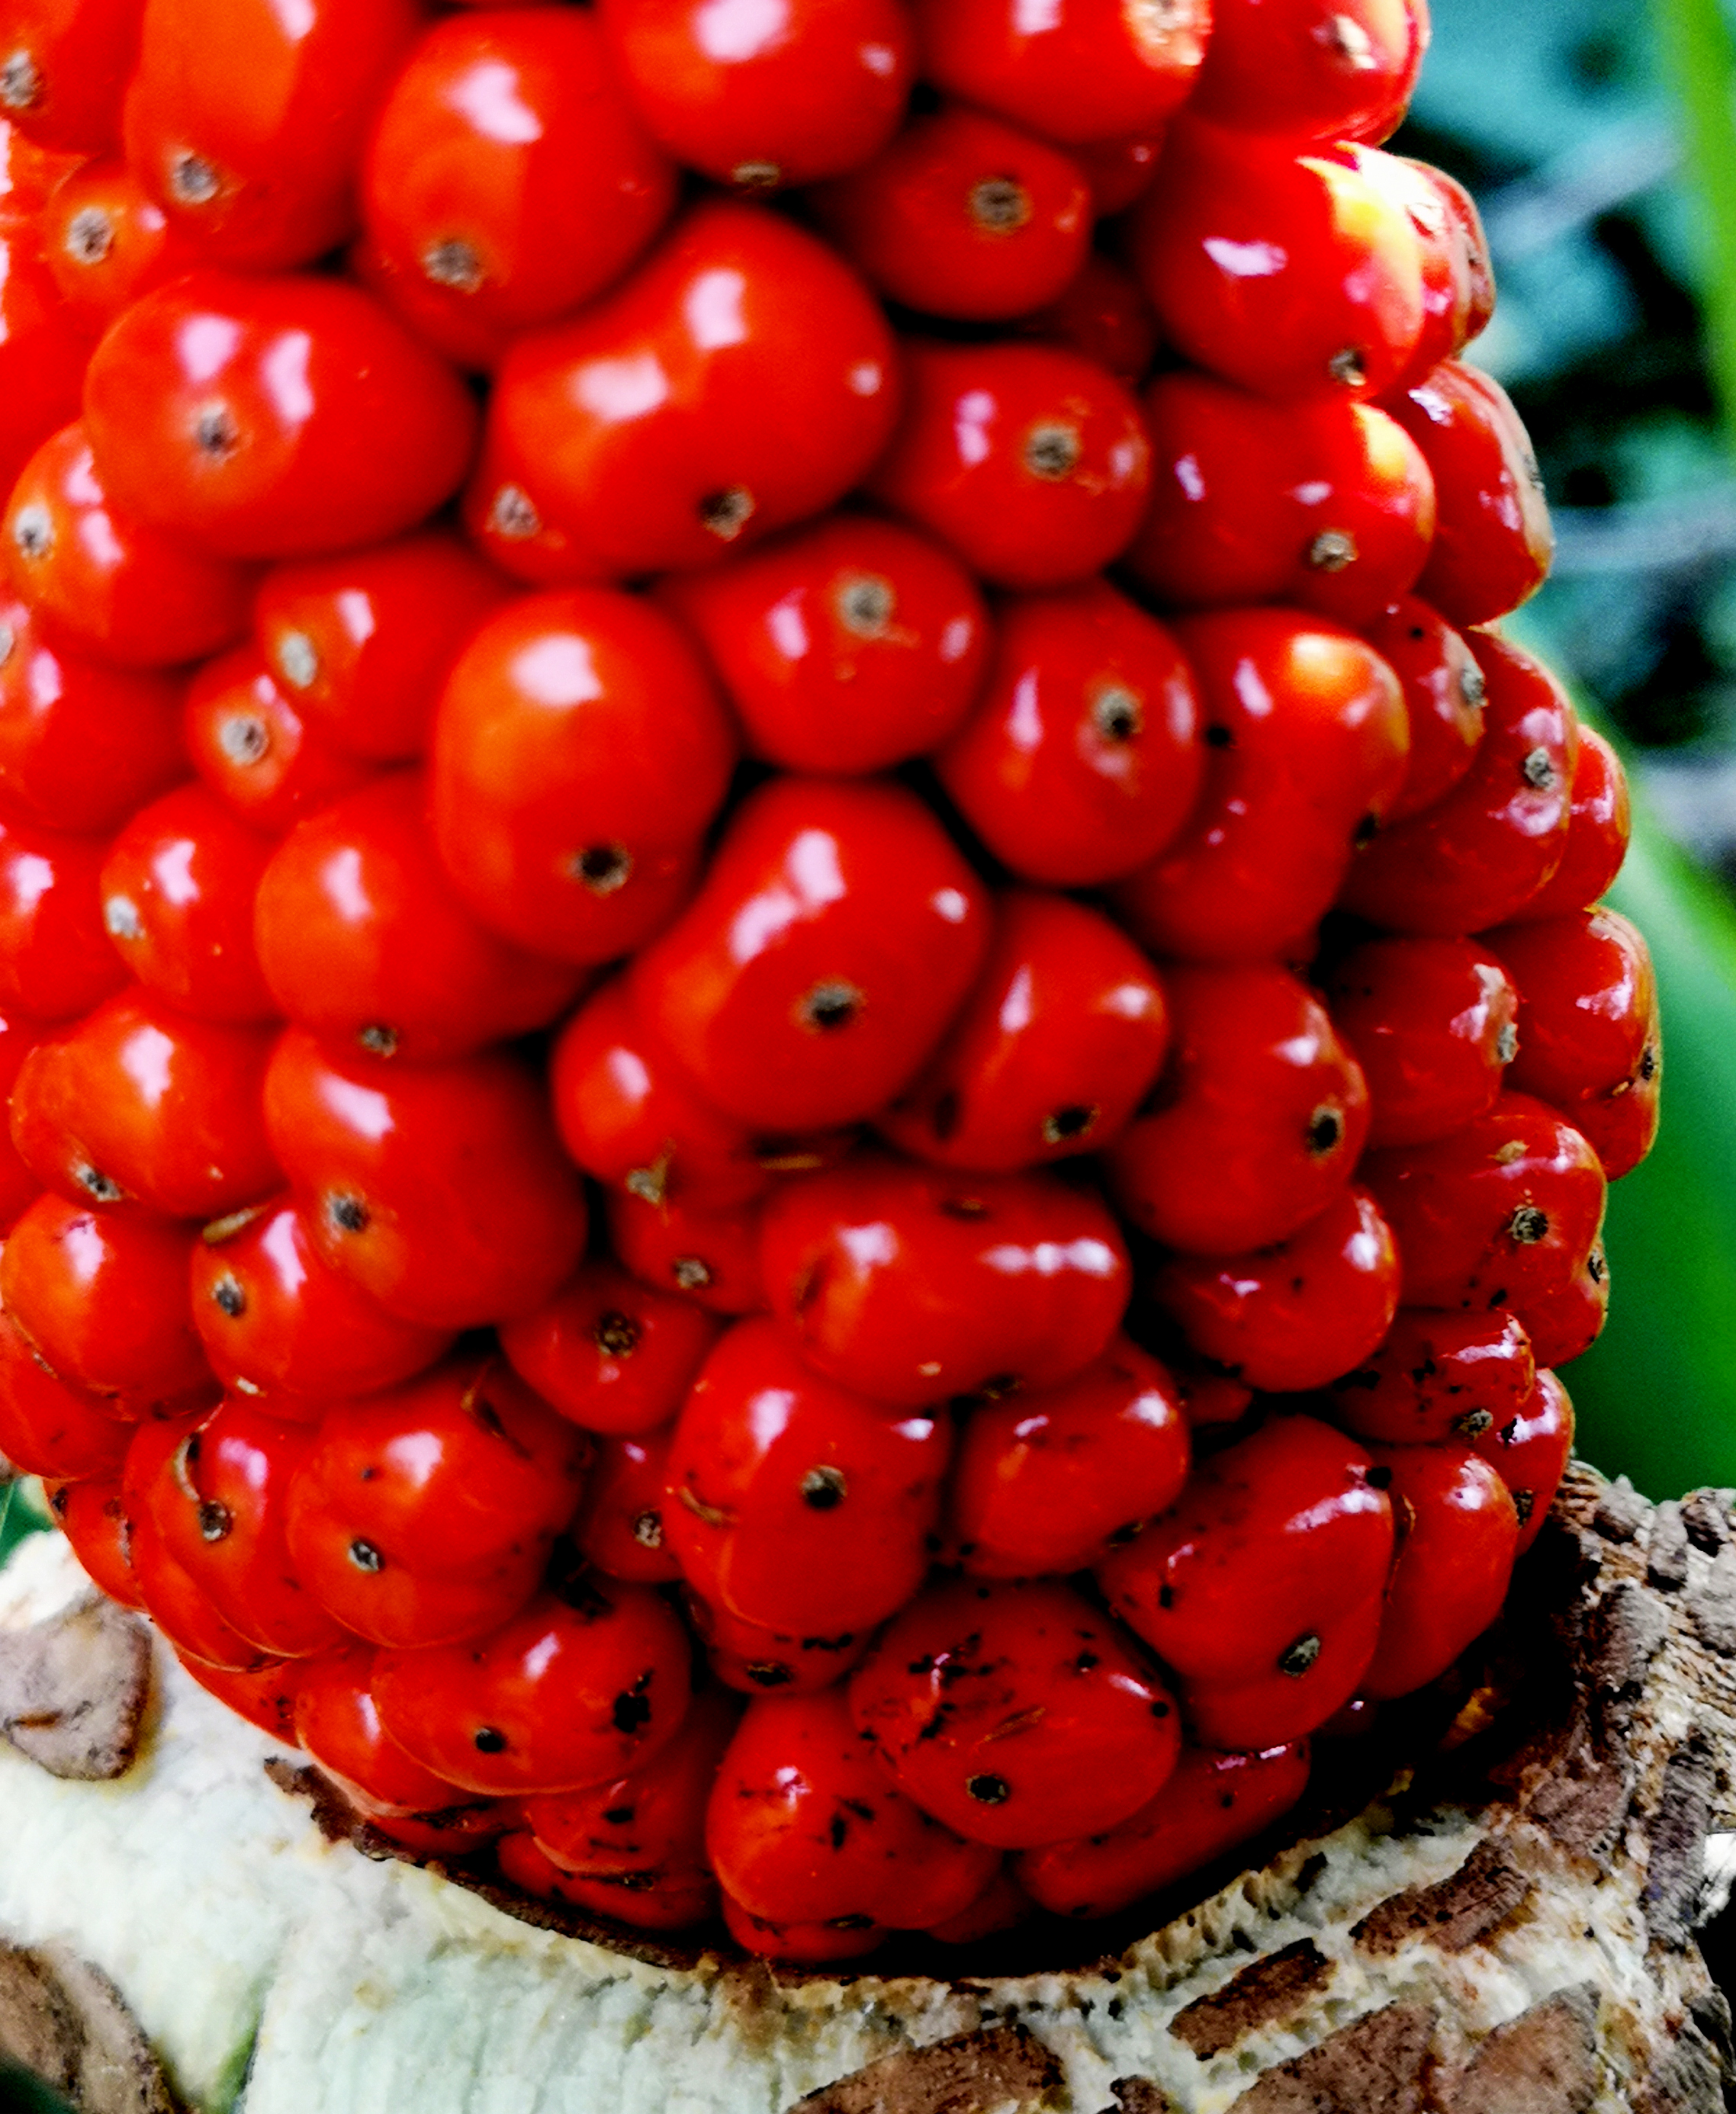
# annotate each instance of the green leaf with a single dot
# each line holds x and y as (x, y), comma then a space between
(1657, 1397)
(22, 2093)
(1700, 55)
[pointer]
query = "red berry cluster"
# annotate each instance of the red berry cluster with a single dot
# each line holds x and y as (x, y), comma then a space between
(767, 1085)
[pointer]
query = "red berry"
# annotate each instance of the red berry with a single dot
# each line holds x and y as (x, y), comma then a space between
(1438, 1376)
(741, 379)
(1492, 538)
(1031, 462)
(563, 1694)
(338, 1728)
(106, 241)
(247, 121)
(426, 1513)
(558, 808)
(1119, 171)
(620, 1527)
(982, 1699)
(1081, 70)
(963, 216)
(1276, 1538)
(81, 744)
(1454, 1562)
(104, 1298)
(438, 1189)
(1312, 69)
(611, 1354)
(757, 1661)
(178, 886)
(761, 101)
(508, 177)
(1290, 1318)
(255, 750)
(847, 646)
(1433, 1024)
(803, 1827)
(220, 1504)
(1301, 1694)
(1082, 758)
(278, 1320)
(1476, 857)
(363, 642)
(92, 1517)
(1563, 1324)
(43, 350)
(122, 589)
(1210, 1804)
(1503, 1213)
(1260, 1115)
(175, 1601)
(1529, 1450)
(1102, 313)
(792, 1502)
(653, 1904)
(1307, 738)
(49, 1427)
(710, 1254)
(362, 938)
(66, 67)
(273, 418)
(1588, 1029)
(1326, 505)
(1601, 819)
(1444, 690)
(1292, 274)
(912, 1283)
(19, 1188)
(1055, 1048)
(1045, 1481)
(55, 959)
(1458, 284)
(835, 936)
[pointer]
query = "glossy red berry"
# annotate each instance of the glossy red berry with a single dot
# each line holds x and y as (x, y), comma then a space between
(362, 938)
(82, 744)
(439, 1189)
(763, 100)
(106, 241)
(1600, 821)
(963, 216)
(1083, 756)
(1455, 1560)
(140, 1106)
(42, 354)
(1327, 505)
(1307, 735)
(1260, 1115)
(804, 1827)
(55, 959)
(1458, 283)
(1312, 69)
(278, 1320)
(835, 934)
(1503, 1213)
(1293, 274)
(981, 1699)
(1564, 1325)
(742, 378)
(175, 1602)
(426, 1513)
(1438, 1376)
(653, 1903)
(1444, 691)
(52, 1427)
(567, 1692)
(794, 1502)
(620, 1527)
(247, 122)
(1275, 1538)
(339, 1730)
(1210, 1804)
(1083, 70)
(92, 1515)
(912, 1283)
(1057, 1046)
(65, 67)
(19, 1188)
(610, 1353)
(1102, 313)
(1493, 541)
(558, 807)
(1590, 1042)
(273, 418)
(757, 1661)
(844, 647)
(1302, 1692)
(1529, 1450)
(102, 1296)
(1477, 857)
(1119, 171)
(1031, 461)
(362, 642)
(508, 177)
(1434, 1025)
(255, 751)
(1045, 1481)
(708, 1254)
(115, 586)
(178, 886)
(1291, 1317)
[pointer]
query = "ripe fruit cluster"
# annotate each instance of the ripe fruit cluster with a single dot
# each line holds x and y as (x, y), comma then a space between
(661, 1050)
